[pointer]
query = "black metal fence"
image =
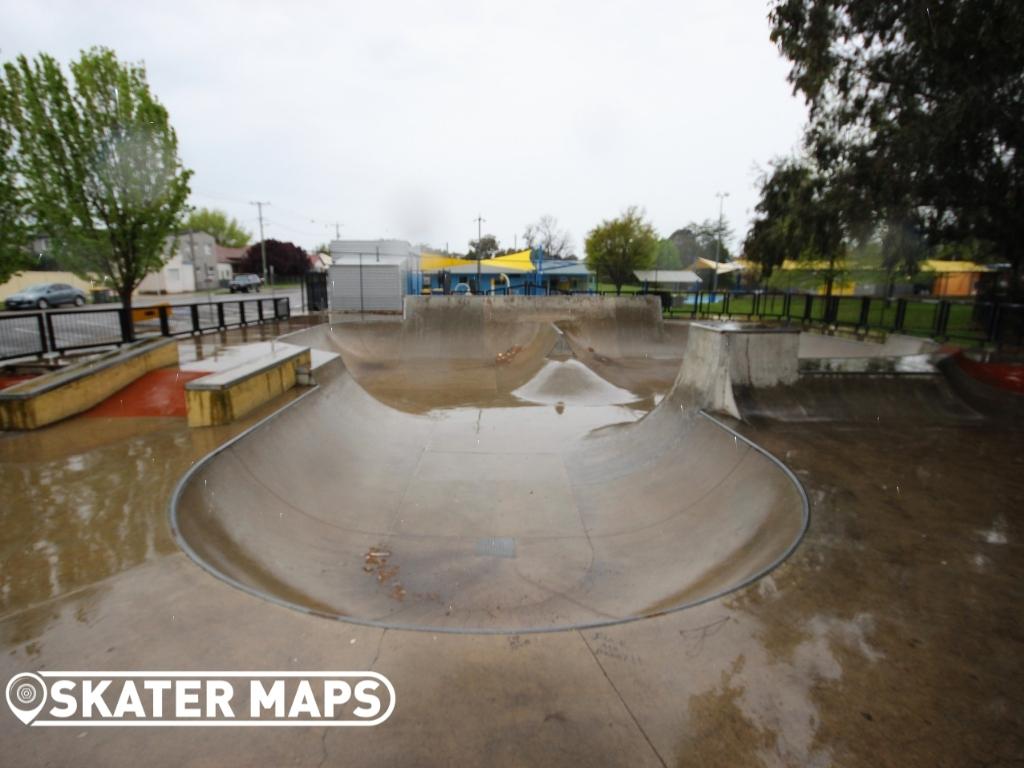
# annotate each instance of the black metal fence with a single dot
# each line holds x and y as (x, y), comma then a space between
(967, 320)
(26, 334)
(316, 291)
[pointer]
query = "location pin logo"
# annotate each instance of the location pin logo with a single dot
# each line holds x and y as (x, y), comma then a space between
(26, 695)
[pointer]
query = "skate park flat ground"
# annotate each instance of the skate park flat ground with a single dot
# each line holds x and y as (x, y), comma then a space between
(890, 636)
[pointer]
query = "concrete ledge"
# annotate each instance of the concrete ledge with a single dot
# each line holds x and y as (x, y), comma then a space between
(721, 356)
(223, 397)
(76, 388)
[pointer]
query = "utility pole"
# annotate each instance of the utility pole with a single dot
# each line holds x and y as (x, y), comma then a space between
(718, 241)
(263, 242)
(337, 230)
(479, 256)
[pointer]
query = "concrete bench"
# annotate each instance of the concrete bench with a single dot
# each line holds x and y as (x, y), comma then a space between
(223, 397)
(78, 387)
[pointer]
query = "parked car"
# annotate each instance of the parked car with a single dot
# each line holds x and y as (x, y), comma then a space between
(245, 283)
(46, 295)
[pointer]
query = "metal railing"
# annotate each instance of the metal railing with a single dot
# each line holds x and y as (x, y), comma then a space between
(994, 322)
(41, 332)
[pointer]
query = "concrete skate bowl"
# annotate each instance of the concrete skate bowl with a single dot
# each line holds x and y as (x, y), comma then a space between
(551, 501)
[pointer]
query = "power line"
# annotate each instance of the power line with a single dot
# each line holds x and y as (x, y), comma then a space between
(273, 223)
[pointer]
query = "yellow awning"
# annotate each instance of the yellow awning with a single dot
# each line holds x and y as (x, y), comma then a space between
(518, 262)
(432, 262)
(935, 265)
(810, 266)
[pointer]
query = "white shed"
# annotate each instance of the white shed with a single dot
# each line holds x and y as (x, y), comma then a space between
(370, 275)
(367, 283)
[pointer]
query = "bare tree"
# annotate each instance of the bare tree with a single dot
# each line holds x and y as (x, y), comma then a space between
(547, 235)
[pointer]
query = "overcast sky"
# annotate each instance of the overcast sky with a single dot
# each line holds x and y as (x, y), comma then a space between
(405, 119)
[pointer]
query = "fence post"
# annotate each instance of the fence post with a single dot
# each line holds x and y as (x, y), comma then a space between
(808, 307)
(865, 310)
(942, 320)
(725, 305)
(220, 316)
(165, 327)
(901, 315)
(992, 332)
(49, 331)
(787, 303)
(43, 340)
(241, 313)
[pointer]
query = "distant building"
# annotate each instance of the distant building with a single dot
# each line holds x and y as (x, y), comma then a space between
(199, 250)
(229, 261)
(176, 276)
(190, 265)
(566, 275)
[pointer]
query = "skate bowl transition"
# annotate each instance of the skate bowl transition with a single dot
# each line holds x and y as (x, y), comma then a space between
(497, 466)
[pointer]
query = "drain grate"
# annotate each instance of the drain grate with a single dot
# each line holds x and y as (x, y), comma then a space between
(491, 547)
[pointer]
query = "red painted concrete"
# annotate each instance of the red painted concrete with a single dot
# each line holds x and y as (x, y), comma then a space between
(157, 393)
(1009, 376)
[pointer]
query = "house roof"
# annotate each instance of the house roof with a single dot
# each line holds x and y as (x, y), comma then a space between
(227, 255)
(665, 276)
(565, 267)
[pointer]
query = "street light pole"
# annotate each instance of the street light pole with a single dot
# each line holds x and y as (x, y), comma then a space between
(263, 242)
(479, 236)
(718, 241)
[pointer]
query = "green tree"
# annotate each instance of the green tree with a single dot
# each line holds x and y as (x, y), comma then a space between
(698, 240)
(14, 223)
(667, 256)
(99, 162)
(226, 230)
(799, 216)
(916, 110)
(616, 248)
(484, 248)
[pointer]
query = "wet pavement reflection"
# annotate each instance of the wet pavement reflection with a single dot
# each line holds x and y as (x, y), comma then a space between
(892, 637)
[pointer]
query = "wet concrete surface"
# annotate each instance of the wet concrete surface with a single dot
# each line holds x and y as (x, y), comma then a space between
(891, 637)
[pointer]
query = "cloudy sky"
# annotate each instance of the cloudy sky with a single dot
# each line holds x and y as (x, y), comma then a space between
(407, 119)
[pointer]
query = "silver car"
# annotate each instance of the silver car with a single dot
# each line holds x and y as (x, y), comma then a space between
(46, 295)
